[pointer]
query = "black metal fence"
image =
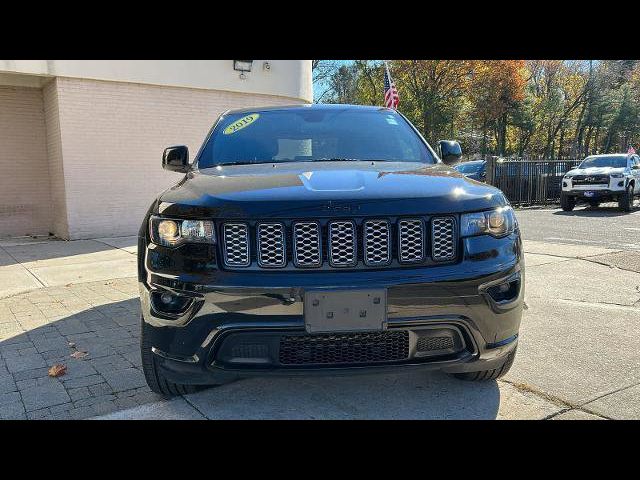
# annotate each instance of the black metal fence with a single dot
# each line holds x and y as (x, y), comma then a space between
(529, 182)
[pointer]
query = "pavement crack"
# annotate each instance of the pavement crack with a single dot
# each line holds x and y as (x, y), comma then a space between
(594, 260)
(193, 405)
(617, 390)
(526, 388)
(20, 263)
(566, 404)
(113, 246)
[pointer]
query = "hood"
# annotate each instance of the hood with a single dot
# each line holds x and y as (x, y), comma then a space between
(595, 171)
(326, 189)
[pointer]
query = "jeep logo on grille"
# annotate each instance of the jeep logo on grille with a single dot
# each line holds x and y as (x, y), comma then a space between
(332, 207)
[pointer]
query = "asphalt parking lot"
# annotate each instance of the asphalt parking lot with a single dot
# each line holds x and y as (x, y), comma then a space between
(579, 350)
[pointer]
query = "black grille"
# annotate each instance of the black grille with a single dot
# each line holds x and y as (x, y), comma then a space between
(271, 248)
(374, 243)
(590, 180)
(236, 244)
(342, 349)
(377, 242)
(411, 240)
(427, 344)
(342, 244)
(443, 238)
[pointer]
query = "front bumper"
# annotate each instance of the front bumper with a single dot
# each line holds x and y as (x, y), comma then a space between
(238, 325)
(612, 189)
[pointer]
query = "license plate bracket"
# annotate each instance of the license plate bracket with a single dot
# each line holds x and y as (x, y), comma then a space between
(345, 310)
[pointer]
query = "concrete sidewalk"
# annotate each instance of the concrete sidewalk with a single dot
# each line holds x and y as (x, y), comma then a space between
(579, 350)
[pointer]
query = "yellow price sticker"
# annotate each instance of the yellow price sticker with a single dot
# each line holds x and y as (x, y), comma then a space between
(240, 124)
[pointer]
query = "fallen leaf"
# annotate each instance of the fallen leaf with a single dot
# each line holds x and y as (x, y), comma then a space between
(79, 354)
(57, 370)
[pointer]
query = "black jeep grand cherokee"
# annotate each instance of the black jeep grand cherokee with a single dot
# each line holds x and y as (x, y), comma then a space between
(314, 239)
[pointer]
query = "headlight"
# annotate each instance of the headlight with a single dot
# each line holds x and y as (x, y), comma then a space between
(498, 222)
(568, 175)
(617, 175)
(172, 232)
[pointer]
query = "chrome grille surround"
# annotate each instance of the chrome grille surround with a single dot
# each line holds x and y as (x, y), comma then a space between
(270, 243)
(342, 243)
(443, 239)
(376, 235)
(307, 247)
(235, 243)
(411, 240)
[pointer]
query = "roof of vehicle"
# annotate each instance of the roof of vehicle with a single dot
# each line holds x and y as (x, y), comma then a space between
(610, 155)
(315, 106)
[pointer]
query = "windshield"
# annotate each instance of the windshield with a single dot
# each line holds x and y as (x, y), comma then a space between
(619, 161)
(308, 134)
(468, 167)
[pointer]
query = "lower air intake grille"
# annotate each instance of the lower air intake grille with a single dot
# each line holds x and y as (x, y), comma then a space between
(349, 348)
(428, 344)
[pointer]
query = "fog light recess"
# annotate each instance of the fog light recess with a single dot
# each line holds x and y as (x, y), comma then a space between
(170, 303)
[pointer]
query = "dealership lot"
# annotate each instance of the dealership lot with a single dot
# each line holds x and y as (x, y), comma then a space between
(579, 354)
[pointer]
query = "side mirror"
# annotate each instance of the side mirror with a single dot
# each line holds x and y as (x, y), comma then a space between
(450, 151)
(176, 159)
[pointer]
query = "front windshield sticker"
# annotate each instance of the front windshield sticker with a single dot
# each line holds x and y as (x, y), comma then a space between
(391, 120)
(240, 124)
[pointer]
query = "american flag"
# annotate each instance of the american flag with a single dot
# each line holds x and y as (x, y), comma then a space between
(631, 150)
(391, 98)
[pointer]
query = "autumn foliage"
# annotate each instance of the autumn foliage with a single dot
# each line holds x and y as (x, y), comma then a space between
(551, 108)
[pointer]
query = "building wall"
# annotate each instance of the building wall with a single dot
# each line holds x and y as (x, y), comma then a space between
(54, 152)
(287, 78)
(112, 135)
(25, 202)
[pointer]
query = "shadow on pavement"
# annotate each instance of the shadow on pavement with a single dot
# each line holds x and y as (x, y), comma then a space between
(50, 249)
(589, 211)
(107, 379)
(403, 395)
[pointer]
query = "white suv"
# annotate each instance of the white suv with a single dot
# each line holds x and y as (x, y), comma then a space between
(602, 178)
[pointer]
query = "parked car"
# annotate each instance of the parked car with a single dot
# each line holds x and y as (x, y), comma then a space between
(602, 178)
(325, 238)
(475, 169)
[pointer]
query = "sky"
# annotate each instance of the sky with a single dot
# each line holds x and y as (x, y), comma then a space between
(320, 87)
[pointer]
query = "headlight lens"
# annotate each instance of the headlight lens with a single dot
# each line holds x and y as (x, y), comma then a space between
(498, 222)
(568, 175)
(172, 232)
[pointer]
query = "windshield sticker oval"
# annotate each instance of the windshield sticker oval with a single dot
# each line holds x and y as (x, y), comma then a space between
(240, 124)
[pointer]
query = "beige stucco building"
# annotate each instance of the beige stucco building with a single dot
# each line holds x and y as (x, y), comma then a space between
(81, 140)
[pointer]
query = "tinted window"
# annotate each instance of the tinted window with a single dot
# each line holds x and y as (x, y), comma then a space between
(308, 134)
(618, 161)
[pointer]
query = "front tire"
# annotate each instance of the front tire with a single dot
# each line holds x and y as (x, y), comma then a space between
(493, 374)
(625, 200)
(567, 202)
(156, 381)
